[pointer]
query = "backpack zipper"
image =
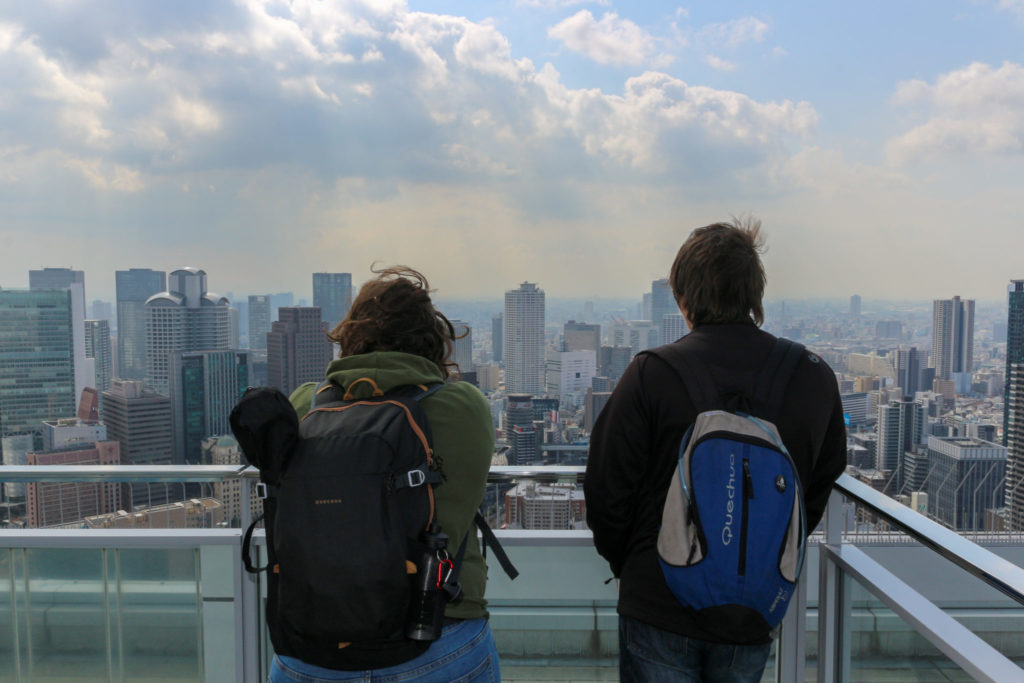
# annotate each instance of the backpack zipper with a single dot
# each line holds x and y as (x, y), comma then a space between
(748, 494)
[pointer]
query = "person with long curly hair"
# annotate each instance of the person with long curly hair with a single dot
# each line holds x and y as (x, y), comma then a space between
(395, 336)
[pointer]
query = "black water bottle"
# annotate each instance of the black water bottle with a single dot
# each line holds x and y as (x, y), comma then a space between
(428, 599)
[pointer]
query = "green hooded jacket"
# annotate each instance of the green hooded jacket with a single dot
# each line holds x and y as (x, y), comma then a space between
(463, 435)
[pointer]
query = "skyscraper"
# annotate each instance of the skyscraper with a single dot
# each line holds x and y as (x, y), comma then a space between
(673, 326)
(37, 360)
(134, 287)
(520, 431)
(462, 346)
(662, 301)
(139, 419)
(952, 336)
(1013, 412)
(204, 387)
(523, 336)
(964, 480)
(855, 305)
(497, 336)
(581, 337)
(58, 278)
(332, 293)
(906, 365)
(97, 347)
(298, 350)
(184, 318)
(259, 320)
(901, 427)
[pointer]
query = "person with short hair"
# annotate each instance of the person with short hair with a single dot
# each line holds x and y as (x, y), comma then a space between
(718, 281)
(394, 335)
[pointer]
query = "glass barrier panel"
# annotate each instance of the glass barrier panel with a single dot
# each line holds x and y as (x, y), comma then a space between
(884, 647)
(158, 614)
(61, 600)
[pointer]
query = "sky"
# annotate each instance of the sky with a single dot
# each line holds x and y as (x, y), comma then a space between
(569, 143)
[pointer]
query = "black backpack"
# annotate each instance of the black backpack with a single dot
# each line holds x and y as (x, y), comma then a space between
(358, 570)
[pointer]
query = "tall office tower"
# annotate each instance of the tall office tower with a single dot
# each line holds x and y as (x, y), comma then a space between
(901, 426)
(298, 350)
(332, 293)
(134, 287)
(462, 346)
(581, 337)
(855, 305)
(58, 278)
(37, 361)
(184, 318)
(204, 387)
(952, 336)
(97, 347)
(497, 336)
(906, 366)
(1013, 402)
(673, 326)
(139, 419)
(520, 431)
(259, 320)
(613, 361)
(662, 301)
(593, 404)
(523, 344)
(638, 335)
(72, 441)
(964, 480)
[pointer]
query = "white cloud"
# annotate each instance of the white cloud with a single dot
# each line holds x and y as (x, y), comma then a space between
(555, 4)
(107, 176)
(719, 63)
(975, 110)
(611, 40)
(1015, 6)
(736, 32)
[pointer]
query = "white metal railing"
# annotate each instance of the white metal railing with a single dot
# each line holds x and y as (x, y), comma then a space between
(840, 562)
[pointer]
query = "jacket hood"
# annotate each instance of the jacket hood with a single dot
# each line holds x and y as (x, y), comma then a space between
(388, 370)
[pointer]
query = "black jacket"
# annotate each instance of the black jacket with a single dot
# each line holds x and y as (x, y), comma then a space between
(634, 452)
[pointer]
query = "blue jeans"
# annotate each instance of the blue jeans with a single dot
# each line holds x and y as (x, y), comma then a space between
(648, 654)
(465, 652)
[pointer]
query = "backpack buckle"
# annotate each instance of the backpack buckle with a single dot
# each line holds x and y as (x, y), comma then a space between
(261, 489)
(416, 478)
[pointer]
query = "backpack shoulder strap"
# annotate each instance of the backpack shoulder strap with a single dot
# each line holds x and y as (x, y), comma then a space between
(770, 388)
(694, 376)
(490, 541)
(427, 390)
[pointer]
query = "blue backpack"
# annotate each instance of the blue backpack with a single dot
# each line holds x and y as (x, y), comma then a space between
(732, 536)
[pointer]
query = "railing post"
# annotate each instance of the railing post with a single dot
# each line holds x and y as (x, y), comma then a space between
(791, 648)
(833, 602)
(250, 596)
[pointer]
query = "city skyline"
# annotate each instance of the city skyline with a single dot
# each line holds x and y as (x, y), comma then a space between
(570, 143)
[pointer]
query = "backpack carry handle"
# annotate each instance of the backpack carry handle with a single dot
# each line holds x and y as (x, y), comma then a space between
(348, 392)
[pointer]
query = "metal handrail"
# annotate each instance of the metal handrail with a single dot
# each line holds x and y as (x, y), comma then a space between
(977, 561)
(1001, 574)
(217, 473)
